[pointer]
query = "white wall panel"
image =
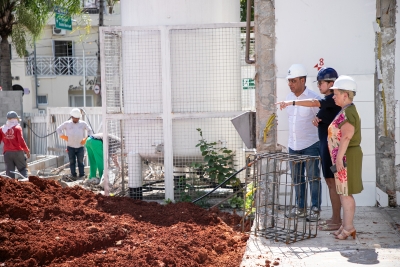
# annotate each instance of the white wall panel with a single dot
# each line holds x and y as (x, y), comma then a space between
(367, 196)
(369, 167)
(308, 30)
(367, 116)
(365, 88)
(368, 141)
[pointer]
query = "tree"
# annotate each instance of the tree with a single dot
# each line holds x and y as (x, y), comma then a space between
(110, 5)
(23, 21)
(243, 10)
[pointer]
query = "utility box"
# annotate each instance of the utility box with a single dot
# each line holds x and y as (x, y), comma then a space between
(245, 125)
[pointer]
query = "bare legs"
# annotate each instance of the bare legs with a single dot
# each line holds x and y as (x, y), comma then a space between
(335, 201)
(349, 207)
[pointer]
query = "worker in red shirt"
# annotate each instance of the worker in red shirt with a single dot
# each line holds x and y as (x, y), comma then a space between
(14, 146)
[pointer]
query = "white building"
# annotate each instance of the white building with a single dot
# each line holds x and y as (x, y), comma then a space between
(61, 55)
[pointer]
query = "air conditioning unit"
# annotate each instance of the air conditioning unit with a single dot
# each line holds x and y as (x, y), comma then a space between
(57, 31)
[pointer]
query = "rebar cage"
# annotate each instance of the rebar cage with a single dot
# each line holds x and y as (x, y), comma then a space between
(276, 182)
(161, 86)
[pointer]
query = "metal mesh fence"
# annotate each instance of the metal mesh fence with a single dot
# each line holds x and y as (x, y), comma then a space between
(163, 86)
(205, 70)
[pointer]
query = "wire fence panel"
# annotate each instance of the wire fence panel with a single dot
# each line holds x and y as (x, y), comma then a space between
(164, 87)
(142, 77)
(35, 132)
(206, 152)
(205, 70)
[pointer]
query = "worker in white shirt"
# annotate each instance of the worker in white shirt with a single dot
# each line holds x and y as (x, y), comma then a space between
(303, 140)
(75, 132)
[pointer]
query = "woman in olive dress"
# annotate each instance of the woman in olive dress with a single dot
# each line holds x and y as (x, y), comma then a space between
(344, 138)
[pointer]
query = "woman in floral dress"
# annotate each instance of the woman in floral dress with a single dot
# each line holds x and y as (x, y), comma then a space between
(344, 138)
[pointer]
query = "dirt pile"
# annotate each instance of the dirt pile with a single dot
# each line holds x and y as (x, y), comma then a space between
(42, 224)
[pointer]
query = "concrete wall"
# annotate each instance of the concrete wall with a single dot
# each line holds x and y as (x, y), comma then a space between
(10, 100)
(310, 30)
(397, 97)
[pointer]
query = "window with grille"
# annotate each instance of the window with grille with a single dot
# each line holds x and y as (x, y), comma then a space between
(77, 101)
(42, 99)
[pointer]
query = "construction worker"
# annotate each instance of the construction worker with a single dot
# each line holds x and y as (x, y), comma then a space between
(94, 146)
(73, 131)
(14, 146)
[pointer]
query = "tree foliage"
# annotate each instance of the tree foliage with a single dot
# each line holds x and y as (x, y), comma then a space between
(23, 21)
(243, 10)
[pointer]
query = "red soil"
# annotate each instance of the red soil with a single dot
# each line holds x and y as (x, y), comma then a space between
(42, 224)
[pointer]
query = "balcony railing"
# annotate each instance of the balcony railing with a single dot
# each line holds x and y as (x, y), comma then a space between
(53, 66)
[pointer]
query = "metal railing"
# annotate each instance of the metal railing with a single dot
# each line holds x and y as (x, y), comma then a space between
(61, 66)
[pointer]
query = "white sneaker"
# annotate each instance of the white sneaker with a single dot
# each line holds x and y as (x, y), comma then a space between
(296, 212)
(314, 215)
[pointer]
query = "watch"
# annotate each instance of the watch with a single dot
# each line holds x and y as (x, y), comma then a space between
(294, 103)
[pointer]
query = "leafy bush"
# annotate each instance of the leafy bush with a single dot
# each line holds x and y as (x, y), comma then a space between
(218, 161)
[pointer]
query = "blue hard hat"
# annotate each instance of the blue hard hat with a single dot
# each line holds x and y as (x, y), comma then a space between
(327, 74)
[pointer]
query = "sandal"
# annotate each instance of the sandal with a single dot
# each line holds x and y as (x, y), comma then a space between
(338, 231)
(330, 227)
(328, 221)
(345, 234)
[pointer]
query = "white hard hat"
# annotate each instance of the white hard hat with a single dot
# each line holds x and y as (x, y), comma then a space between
(296, 70)
(76, 113)
(345, 83)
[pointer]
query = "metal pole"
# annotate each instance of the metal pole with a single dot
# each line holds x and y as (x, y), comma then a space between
(248, 22)
(35, 69)
(84, 77)
(122, 167)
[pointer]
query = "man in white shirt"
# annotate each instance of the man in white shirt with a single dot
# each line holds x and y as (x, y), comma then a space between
(303, 140)
(75, 133)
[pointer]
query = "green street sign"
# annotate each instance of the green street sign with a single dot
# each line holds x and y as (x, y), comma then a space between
(248, 83)
(63, 22)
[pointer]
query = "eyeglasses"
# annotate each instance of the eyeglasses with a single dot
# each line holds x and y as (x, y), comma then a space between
(320, 82)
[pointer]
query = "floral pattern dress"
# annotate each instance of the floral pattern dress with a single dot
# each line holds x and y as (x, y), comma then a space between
(348, 181)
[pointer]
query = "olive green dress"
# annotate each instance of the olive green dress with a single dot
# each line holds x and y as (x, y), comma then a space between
(348, 181)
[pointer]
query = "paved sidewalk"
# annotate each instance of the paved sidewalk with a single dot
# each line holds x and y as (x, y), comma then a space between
(377, 243)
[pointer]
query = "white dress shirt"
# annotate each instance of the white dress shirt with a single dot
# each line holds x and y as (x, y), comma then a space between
(75, 132)
(302, 133)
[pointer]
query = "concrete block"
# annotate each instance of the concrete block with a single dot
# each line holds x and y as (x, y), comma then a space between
(382, 198)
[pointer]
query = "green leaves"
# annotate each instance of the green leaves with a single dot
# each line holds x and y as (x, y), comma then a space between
(236, 202)
(218, 160)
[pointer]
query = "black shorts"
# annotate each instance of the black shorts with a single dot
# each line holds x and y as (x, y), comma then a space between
(326, 160)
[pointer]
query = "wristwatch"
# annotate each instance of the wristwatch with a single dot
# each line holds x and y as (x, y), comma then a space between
(294, 103)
